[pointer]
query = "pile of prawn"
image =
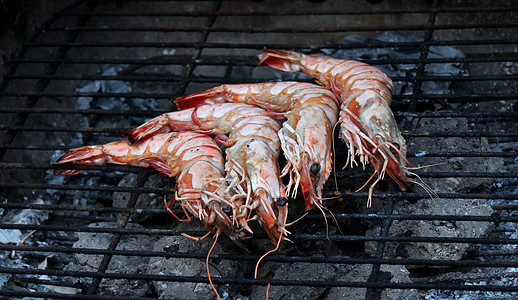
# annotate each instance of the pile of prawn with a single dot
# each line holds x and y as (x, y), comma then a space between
(257, 123)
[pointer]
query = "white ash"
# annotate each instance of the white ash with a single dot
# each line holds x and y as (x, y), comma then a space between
(457, 163)
(59, 289)
(295, 271)
(147, 200)
(106, 86)
(119, 103)
(402, 70)
(14, 236)
(189, 267)
(21, 216)
(8, 262)
(118, 264)
(435, 228)
(362, 272)
(503, 276)
(359, 273)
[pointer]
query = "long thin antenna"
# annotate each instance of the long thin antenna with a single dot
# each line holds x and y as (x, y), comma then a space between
(207, 265)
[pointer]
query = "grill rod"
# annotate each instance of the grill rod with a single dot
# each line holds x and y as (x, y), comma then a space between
(264, 282)
(293, 12)
(253, 258)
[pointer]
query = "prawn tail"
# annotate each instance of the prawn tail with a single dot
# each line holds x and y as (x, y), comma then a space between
(88, 155)
(282, 60)
(150, 128)
(211, 96)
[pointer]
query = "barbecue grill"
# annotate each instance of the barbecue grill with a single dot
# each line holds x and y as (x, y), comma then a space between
(97, 68)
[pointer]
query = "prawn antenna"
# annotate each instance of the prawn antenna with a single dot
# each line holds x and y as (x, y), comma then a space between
(270, 251)
(426, 166)
(334, 156)
(207, 265)
(319, 206)
(267, 291)
(334, 218)
(423, 185)
(395, 149)
(332, 197)
(300, 218)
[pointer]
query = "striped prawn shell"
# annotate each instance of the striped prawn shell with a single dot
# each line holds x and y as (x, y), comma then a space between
(367, 124)
(252, 154)
(193, 158)
(306, 136)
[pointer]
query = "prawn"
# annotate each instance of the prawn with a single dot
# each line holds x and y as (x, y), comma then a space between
(250, 133)
(306, 136)
(367, 123)
(194, 159)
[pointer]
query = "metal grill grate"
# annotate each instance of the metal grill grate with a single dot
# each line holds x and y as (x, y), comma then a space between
(97, 68)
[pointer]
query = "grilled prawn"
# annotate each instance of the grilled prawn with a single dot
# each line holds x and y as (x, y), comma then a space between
(367, 123)
(194, 159)
(306, 136)
(252, 156)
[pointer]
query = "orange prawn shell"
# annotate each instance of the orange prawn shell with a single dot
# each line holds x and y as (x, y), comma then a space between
(367, 123)
(195, 159)
(306, 140)
(238, 126)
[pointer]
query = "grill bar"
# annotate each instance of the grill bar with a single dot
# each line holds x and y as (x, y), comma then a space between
(254, 258)
(373, 293)
(316, 217)
(220, 280)
(407, 134)
(121, 168)
(491, 77)
(345, 195)
(385, 227)
(423, 97)
(307, 237)
(285, 30)
(478, 115)
(291, 13)
(341, 216)
(238, 61)
(153, 113)
(339, 174)
(209, 45)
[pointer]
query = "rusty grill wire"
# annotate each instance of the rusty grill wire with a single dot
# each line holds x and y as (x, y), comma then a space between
(165, 49)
